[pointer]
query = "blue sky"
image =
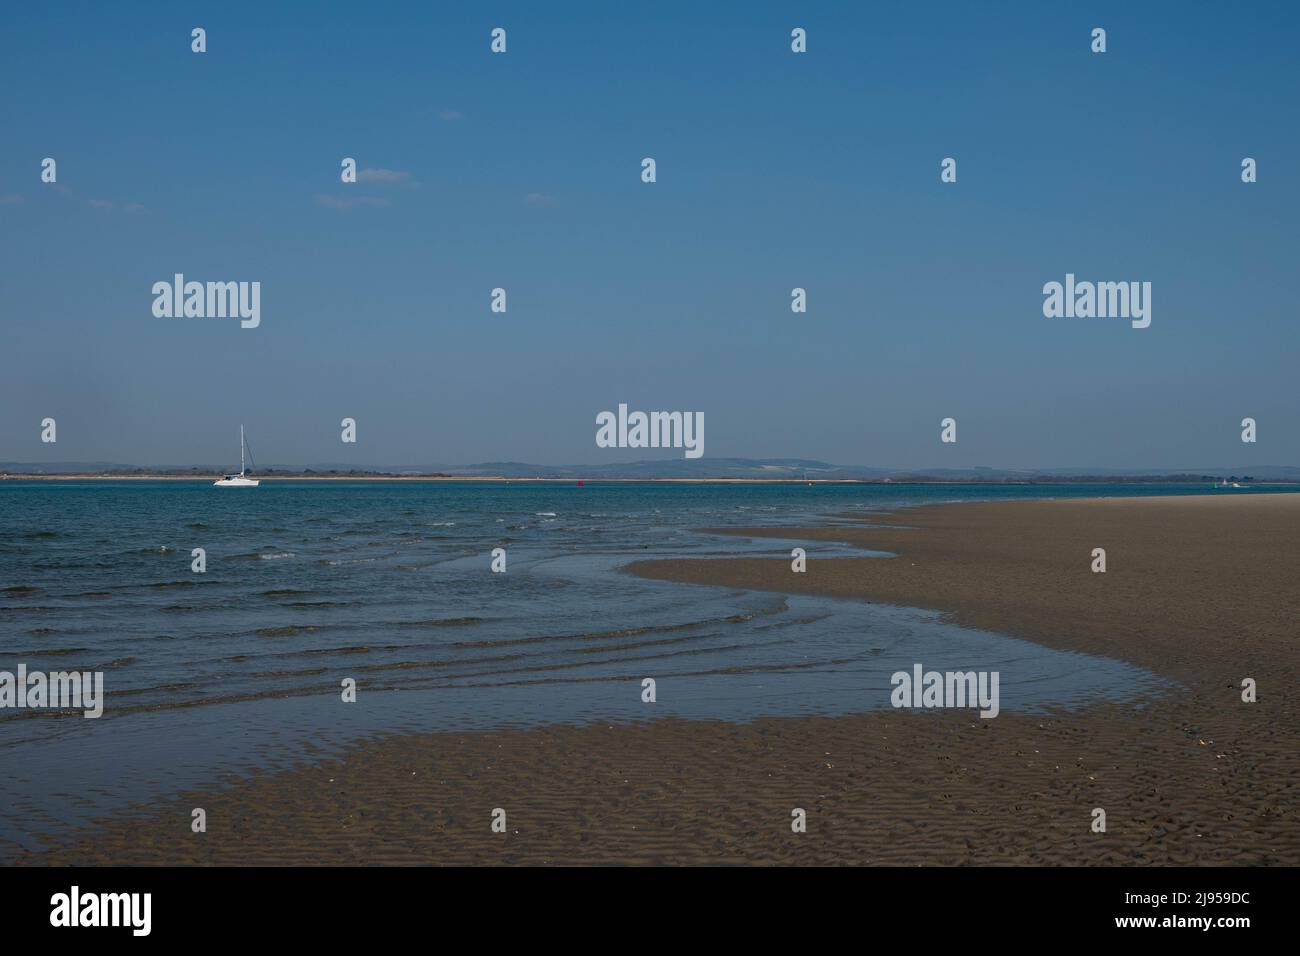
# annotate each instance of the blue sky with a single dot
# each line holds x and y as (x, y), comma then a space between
(775, 170)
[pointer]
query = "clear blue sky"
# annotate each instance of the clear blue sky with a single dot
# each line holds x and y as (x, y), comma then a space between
(775, 170)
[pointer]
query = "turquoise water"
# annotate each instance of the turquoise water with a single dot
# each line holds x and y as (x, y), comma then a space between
(390, 584)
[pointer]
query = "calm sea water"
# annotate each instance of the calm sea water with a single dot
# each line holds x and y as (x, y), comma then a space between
(308, 583)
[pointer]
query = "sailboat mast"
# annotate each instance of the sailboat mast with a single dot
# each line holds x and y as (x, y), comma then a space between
(241, 450)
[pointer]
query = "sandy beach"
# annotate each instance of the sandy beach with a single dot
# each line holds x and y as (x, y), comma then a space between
(1201, 590)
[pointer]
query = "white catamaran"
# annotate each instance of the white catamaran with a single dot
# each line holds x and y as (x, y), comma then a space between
(240, 480)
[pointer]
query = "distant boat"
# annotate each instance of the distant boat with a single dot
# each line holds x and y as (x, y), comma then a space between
(240, 480)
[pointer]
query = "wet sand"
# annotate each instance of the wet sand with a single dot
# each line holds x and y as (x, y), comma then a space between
(1201, 590)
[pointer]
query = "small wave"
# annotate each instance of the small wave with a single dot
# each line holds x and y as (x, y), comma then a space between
(155, 689)
(440, 622)
(287, 631)
(338, 561)
(283, 592)
(543, 514)
(622, 632)
(262, 556)
(19, 589)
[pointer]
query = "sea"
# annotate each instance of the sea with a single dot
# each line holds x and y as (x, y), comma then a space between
(312, 586)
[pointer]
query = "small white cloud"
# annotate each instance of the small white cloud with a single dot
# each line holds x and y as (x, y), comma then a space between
(334, 202)
(541, 199)
(382, 176)
(449, 116)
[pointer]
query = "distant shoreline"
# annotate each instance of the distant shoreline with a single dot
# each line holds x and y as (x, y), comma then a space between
(490, 479)
(497, 479)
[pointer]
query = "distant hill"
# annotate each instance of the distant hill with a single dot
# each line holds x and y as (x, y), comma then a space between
(775, 468)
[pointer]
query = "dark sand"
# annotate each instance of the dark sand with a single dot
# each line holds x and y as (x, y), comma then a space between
(1201, 590)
